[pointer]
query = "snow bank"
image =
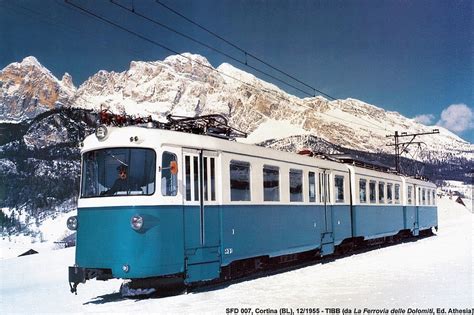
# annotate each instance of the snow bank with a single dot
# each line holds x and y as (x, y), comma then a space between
(49, 231)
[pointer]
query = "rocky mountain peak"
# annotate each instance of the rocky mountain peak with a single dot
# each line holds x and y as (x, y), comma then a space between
(31, 61)
(189, 85)
(27, 88)
(67, 82)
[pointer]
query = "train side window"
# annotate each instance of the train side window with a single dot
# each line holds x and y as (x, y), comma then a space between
(428, 197)
(196, 177)
(320, 186)
(339, 188)
(169, 181)
(209, 183)
(362, 191)
(328, 187)
(410, 195)
(205, 183)
(434, 197)
(187, 166)
(423, 196)
(372, 185)
(213, 178)
(381, 192)
(239, 181)
(271, 183)
(389, 192)
(296, 185)
(312, 186)
(397, 193)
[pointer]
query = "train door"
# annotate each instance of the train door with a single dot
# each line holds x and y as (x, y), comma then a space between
(201, 215)
(327, 239)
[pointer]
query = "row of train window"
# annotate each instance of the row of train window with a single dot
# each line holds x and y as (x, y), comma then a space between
(240, 189)
(392, 192)
(371, 191)
(427, 196)
(389, 193)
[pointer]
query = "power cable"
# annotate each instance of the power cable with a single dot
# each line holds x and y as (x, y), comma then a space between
(32, 13)
(260, 60)
(19, 9)
(151, 41)
(242, 50)
(192, 60)
(134, 11)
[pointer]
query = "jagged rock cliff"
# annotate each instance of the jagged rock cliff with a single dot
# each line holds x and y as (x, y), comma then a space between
(28, 89)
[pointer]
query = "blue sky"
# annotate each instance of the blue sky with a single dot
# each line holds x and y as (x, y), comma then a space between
(414, 57)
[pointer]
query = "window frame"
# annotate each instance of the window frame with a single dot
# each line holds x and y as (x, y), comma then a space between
(242, 164)
(389, 189)
(301, 191)
(271, 168)
(312, 198)
(175, 176)
(410, 190)
(363, 180)
(153, 172)
(397, 191)
(381, 197)
(337, 191)
(373, 192)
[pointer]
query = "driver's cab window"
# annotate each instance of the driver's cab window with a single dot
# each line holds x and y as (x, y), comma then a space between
(169, 174)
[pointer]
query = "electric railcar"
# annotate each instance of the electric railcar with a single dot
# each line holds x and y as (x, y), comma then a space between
(195, 208)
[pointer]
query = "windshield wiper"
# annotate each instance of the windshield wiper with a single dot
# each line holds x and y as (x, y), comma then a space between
(116, 158)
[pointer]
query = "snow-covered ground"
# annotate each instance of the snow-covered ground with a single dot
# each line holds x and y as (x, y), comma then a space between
(452, 186)
(429, 273)
(48, 232)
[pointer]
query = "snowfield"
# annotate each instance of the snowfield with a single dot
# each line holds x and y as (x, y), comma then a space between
(435, 272)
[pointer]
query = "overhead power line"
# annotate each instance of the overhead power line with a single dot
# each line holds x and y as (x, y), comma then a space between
(156, 43)
(401, 147)
(154, 21)
(247, 54)
(55, 22)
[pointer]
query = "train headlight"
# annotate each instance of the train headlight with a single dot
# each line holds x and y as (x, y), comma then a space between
(101, 132)
(136, 222)
(125, 268)
(72, 223)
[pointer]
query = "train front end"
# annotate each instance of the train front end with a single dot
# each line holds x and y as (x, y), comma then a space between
(123, 230)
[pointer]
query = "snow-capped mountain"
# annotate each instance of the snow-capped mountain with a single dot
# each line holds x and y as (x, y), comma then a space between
(189, 85)
(27, 89)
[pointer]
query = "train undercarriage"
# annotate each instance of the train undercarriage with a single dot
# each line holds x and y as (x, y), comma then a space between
(240, 269)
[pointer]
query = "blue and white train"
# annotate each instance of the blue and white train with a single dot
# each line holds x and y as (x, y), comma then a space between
(195, 208)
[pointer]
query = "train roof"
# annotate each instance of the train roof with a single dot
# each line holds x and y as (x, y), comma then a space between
(141, 137)
(155, 138)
